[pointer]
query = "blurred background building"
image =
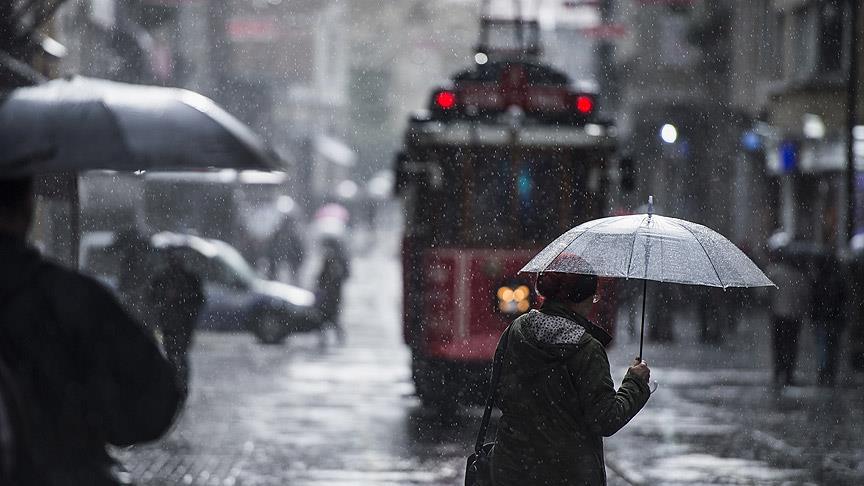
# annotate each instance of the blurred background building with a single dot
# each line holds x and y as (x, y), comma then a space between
(670, 68)
(732, 113)
(735, 112)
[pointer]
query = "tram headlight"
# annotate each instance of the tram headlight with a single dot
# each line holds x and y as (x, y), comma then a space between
(521, 293)
(513, 299)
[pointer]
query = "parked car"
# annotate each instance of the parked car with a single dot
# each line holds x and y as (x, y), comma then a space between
(237, 298)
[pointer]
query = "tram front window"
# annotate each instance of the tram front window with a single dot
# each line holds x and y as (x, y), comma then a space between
(496, 198)
(489, 204)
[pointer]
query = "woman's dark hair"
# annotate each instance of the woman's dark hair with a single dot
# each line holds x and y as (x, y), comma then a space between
(566, 287)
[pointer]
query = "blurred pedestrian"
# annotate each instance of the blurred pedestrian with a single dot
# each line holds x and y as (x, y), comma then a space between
(87, 373)
(660, 313)
(177, 295)
(788, 307)
(556, 391)
(135, 259)
(827, 310)
(716, 314)
(334, 272)
(286, 249)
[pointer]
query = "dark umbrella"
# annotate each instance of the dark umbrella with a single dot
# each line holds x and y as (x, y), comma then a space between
(77, 123)
(649, 247)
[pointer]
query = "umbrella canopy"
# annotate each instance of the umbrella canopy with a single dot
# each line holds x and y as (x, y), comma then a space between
(650, 247)
(78, 123)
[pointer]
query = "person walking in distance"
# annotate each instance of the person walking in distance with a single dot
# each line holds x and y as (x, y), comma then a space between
(828, 311)
(334, 272)
(177, 296)
(88, 375)
(788, 307)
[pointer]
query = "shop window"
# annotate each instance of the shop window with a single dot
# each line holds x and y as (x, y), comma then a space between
(831, 42)
(816, 41)
(803, 43)
(770, 41)
(675, 49)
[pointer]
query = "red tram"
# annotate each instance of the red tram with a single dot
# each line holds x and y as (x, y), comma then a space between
(507, 157)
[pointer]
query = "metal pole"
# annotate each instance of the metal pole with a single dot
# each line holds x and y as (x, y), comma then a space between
(642, 332)
(517, 18)
(219, 56)
(851, 106)
(605, 71)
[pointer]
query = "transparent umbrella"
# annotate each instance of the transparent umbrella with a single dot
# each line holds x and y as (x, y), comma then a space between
(649, 247)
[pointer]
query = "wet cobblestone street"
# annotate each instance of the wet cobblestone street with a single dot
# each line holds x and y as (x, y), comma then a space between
(303, 414)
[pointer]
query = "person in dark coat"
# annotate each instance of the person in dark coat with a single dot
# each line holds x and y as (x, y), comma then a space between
(87, 374)
(334, 272)
(286, 248)
(827, 310)
(135, 260)
(556, 392)
(177, 295)
(789, 304)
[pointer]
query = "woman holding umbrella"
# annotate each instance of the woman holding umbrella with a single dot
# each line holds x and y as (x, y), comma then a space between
(551, 371)
(556, 391)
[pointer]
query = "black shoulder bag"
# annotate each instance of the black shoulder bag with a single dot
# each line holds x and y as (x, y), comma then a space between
(478, 471)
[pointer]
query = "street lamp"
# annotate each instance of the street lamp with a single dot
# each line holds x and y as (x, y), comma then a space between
(668, 133)
(813, 126)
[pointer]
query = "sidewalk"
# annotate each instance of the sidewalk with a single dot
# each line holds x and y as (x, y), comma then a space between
(716, 418)
(274, 415)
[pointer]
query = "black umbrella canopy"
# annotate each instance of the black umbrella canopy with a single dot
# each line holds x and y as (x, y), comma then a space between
(79, 124)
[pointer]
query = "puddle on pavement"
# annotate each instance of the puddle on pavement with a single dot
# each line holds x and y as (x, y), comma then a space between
(709, 469)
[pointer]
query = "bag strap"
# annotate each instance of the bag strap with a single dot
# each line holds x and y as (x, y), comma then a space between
(493, 389)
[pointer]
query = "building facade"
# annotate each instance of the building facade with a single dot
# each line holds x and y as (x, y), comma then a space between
(670, 70)
(801, 87)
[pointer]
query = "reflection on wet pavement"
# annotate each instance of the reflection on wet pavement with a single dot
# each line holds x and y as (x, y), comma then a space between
(301, 414)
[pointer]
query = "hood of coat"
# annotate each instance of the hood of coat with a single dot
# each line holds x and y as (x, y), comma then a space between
(544, 337)
(551, 330)
(561, 310)
(540, 340)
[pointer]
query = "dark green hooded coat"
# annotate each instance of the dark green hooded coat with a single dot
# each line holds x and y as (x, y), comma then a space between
(558, 401)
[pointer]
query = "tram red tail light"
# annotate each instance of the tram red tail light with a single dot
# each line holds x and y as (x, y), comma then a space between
(584, 104)
(445, 100)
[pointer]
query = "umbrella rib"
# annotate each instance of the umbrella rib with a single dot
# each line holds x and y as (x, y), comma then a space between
(704, 251)
(632, 249)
